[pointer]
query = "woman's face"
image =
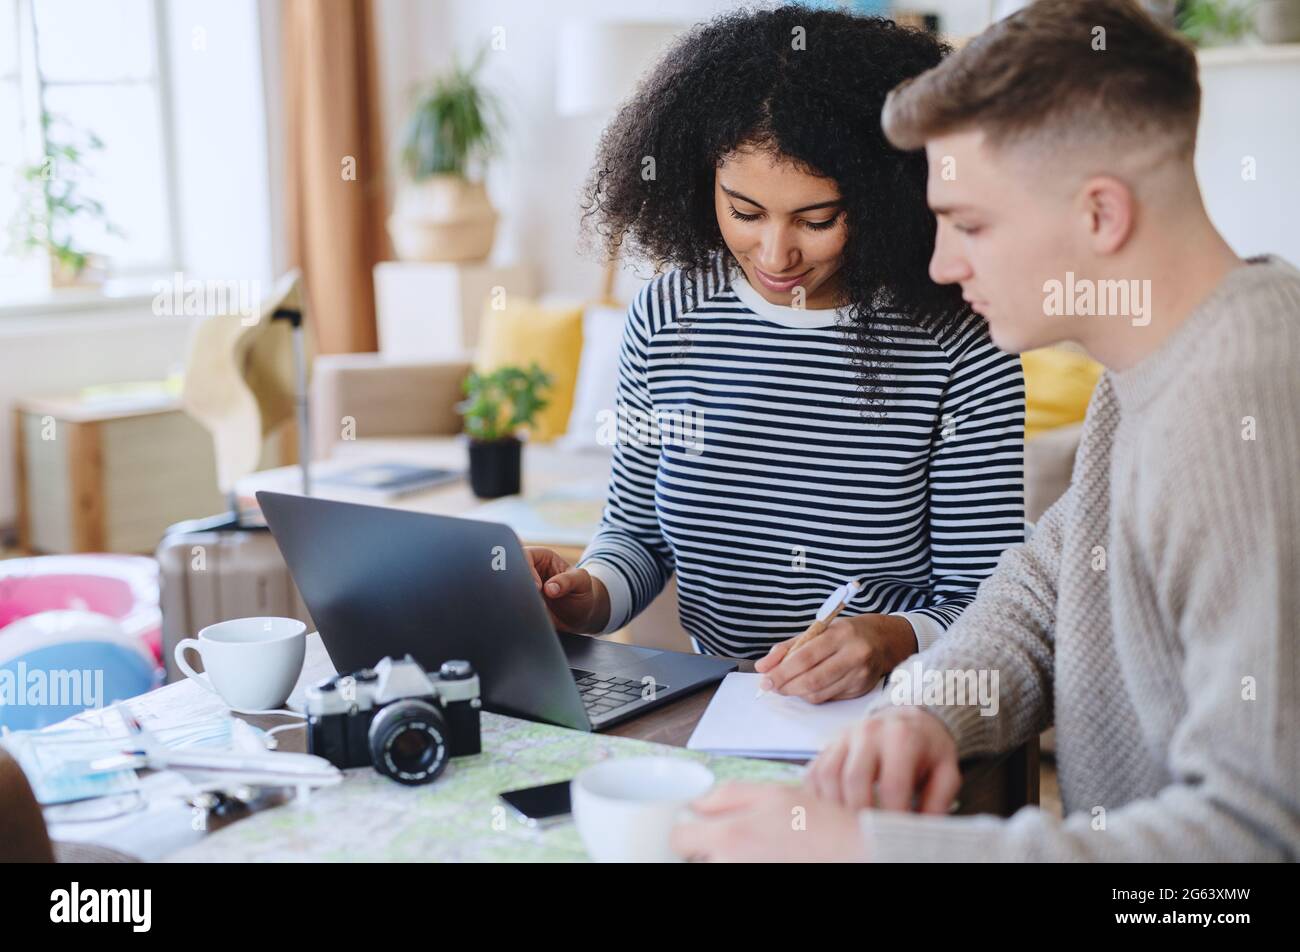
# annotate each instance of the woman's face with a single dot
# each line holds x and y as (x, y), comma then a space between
(783, 225)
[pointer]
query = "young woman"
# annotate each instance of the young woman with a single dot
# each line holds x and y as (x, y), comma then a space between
(834, 414)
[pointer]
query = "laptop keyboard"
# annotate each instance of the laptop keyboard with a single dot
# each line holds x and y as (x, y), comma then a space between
(606, 693)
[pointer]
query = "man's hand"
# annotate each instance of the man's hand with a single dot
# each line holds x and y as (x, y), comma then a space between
(575, 600)
(764, 823)
(846, 660)
(899, 759)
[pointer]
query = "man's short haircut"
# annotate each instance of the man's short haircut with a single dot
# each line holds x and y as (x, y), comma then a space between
(1054, 72)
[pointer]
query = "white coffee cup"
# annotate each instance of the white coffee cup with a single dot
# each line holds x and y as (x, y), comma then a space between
(626, 808)
(251, 663)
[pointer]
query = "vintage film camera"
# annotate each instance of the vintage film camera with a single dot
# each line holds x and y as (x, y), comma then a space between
(396, 718)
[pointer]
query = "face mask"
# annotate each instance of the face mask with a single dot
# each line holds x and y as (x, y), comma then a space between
(57, 765)
(58, 762)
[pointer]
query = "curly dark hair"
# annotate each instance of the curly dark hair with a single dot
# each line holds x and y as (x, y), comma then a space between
(737, 80)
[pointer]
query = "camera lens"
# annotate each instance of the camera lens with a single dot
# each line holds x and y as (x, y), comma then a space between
(408, 742)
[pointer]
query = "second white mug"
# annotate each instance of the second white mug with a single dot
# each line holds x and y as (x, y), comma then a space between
(625, 808)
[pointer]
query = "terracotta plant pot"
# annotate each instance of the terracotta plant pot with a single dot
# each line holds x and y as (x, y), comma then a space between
(495, 467)
(442, 218)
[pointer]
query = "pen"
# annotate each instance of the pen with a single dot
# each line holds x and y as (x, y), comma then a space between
(835, 601)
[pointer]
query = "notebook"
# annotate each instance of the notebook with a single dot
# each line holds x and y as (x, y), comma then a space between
(772, 726)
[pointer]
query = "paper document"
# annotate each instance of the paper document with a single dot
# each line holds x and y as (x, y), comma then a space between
(774, 726)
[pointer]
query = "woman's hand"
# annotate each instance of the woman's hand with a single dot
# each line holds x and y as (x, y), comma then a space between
(575, 600)
(899, 759)
(846, 660)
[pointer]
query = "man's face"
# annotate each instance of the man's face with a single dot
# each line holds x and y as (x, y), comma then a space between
(1005, 228)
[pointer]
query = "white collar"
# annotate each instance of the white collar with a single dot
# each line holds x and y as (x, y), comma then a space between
(800, 317)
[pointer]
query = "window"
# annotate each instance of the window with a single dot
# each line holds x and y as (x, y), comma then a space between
(81, 103)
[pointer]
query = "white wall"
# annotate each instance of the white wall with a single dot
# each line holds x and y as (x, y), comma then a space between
(962, 17)
(1250, 116)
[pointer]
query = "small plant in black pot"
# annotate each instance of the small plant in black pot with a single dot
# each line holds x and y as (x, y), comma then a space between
(497, 406)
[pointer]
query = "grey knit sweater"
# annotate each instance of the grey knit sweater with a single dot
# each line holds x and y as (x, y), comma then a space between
(1153, 615)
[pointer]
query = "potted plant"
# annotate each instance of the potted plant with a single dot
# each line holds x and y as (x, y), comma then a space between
(1215, 22)
(442, 211)
(497, 406)
(54, 201)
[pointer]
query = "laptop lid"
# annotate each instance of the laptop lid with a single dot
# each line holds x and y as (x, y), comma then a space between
(383, 582)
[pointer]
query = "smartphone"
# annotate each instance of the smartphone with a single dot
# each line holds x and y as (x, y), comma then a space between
(539, 806)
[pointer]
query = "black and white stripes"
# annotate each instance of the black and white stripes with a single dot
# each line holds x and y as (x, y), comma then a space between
(781, 488)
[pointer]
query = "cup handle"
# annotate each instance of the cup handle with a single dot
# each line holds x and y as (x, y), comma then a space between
(179, 654)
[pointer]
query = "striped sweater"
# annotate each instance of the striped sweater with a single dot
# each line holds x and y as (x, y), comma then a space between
(745, 463)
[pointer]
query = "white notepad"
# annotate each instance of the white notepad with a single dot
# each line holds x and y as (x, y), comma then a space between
(782, 728)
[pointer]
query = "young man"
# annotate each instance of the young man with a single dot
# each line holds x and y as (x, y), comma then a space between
(1152, 617)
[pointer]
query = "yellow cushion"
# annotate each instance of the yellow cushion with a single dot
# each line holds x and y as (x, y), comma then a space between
(1058, 386)
(524, 332)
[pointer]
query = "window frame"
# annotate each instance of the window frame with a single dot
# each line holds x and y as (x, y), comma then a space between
(31, 88)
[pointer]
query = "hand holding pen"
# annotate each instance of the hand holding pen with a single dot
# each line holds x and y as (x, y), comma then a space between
(837, 657)
(833, 605)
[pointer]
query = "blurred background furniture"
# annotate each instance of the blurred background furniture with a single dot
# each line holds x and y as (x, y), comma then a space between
(209, 577)
(430, 310)
(108, 475)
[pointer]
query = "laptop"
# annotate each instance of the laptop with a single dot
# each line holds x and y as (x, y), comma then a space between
(383, 582)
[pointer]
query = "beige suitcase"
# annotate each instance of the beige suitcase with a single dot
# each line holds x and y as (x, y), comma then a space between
(209, 577)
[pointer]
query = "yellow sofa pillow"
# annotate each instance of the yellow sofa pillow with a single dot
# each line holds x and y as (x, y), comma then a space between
(1058, 386)
(524, 332)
